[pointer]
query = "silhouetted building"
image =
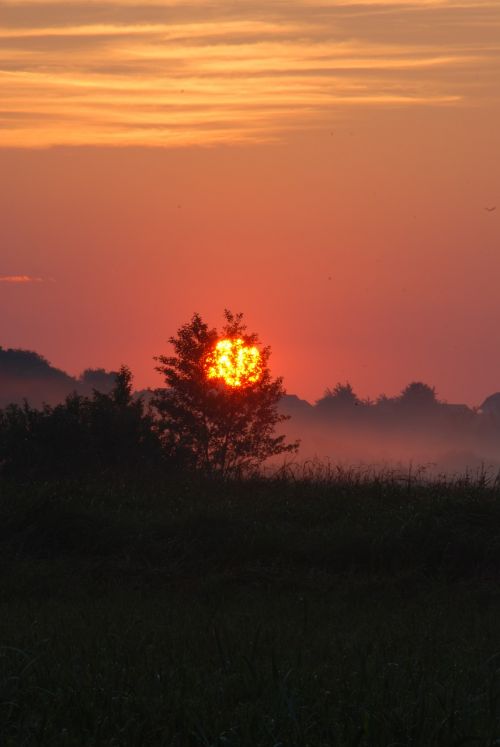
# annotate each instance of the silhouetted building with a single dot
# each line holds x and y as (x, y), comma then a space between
(491, 405)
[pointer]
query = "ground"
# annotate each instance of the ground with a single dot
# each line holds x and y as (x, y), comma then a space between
(339, 611)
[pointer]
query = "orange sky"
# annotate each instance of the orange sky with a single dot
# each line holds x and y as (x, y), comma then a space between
(322, 166)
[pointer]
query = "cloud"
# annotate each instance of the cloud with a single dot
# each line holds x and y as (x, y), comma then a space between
(120, 72)
(21, 279)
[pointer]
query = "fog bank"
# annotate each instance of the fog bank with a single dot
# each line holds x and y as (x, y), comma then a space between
(391, 434)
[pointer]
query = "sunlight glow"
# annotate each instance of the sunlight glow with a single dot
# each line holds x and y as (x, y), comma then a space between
(234, 362)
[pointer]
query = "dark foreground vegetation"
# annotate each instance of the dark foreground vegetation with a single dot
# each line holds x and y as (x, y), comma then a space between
(343, 610)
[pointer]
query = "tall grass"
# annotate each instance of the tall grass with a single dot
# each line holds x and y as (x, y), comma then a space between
(306, 609)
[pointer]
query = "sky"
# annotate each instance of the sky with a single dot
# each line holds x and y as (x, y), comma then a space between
(327, 167)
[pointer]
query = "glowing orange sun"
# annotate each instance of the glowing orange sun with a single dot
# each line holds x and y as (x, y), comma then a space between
(234, 362)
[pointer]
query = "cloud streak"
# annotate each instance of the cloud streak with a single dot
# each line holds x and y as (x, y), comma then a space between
(174, 73)
(21, 279)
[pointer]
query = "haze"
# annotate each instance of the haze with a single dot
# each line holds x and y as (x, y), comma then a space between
(324, 167)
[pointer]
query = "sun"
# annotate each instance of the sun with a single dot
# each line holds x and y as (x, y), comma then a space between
(234, 363)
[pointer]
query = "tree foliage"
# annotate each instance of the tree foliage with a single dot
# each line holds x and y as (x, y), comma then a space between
(81, 435)
(26, 364)
(418, 394)
(341, 396)
(207, 425)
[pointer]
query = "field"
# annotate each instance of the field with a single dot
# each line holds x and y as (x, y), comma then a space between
(331, 610)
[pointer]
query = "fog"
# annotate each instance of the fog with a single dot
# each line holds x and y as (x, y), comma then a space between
(392, 435)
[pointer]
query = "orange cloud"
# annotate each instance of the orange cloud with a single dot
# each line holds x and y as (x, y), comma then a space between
(115, 72)
(20, 279)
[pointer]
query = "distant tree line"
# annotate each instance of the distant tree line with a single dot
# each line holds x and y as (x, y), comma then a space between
(415, 395)
(416, 398)
(414, 419)
(417, 401)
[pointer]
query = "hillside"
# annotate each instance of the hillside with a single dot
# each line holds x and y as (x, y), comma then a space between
(25, 374)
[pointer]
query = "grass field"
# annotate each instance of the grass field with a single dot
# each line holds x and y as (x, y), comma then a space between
(316, 612)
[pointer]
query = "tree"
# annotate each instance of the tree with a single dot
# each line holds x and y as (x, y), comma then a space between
(121, 432)
(207, 424)
(104, 433)
(340, 397)
(419, 395)
(97, 378)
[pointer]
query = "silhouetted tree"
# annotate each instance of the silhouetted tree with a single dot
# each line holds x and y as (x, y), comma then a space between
(206, 424)
(418, 395)
(340, 397)
(121, 432)
(47, 441)
(98, 378)
(81, 435)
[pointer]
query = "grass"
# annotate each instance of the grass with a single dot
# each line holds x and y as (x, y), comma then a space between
(344, 611)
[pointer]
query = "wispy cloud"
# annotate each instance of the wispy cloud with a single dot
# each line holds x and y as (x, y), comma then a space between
(169, 73)
(22, 279)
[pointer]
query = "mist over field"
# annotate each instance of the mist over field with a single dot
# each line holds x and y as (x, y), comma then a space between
(428, 439)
